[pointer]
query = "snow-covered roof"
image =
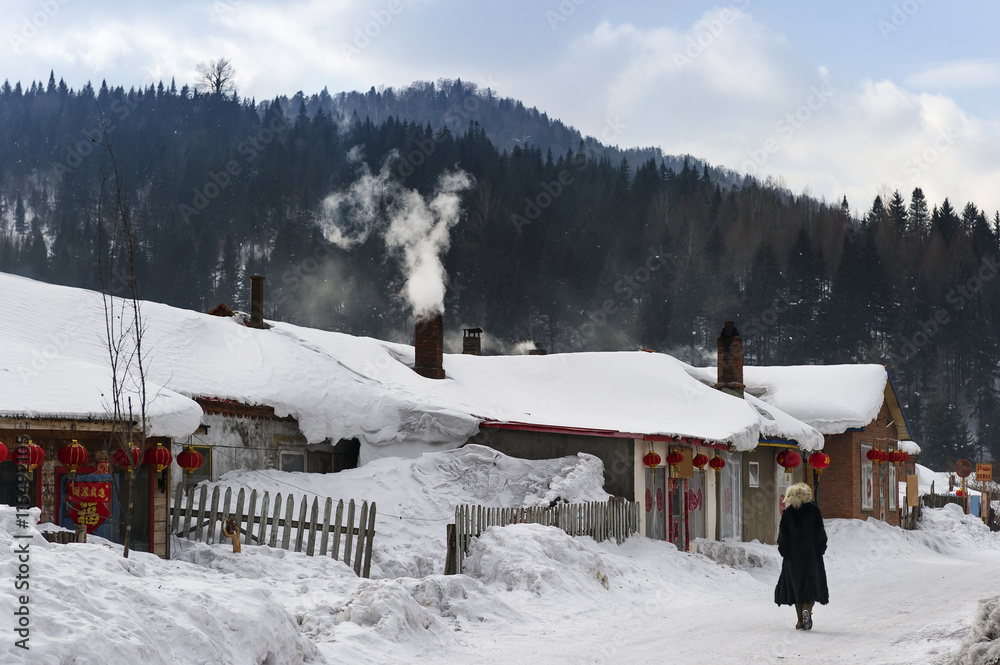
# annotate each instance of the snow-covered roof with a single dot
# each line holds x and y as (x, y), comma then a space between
(341, 386)
(831, 398)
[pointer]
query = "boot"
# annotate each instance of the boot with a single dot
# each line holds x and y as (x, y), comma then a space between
(807, 620)
(798, 615)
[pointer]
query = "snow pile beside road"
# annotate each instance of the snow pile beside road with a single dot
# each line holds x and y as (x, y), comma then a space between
(88, 605)
(416, 498)
(981, 646)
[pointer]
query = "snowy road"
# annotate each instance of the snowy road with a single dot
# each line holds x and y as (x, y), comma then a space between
(892, 601)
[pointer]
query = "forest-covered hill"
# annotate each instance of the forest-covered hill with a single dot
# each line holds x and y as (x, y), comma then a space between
(564, 241)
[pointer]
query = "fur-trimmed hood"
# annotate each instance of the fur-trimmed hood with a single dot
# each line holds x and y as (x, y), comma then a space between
(798, 494)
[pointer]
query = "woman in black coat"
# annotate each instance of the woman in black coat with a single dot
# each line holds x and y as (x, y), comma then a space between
(801, 543)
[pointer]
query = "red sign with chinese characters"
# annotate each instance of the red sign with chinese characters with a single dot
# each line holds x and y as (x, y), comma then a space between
(88, 503)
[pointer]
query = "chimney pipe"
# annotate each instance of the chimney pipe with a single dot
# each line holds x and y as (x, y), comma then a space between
(730, 345)
(257, 301)
(472, 343)
(428, 346)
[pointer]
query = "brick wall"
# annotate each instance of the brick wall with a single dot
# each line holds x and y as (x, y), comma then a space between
(840, 484)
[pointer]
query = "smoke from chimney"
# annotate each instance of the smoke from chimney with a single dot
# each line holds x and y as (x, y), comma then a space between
(416, 230)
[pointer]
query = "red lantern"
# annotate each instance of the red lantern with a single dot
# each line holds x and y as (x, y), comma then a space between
(675, 458)
(819, 461)
(35, 455)
(717, 463)
(3, 452)
(959, 493)
(72, 456)
(121, 456)
(700, 460)
(190, 459)
(651, 459)
(789, 459)
(904, 457)
(158, 457)
(873, 456)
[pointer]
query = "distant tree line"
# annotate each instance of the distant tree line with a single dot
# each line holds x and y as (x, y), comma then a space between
(565, 241)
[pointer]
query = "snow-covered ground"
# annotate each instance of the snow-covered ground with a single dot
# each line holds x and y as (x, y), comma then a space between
(530, 594)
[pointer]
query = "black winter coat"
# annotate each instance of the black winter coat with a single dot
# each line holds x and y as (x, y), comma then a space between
(802, 543)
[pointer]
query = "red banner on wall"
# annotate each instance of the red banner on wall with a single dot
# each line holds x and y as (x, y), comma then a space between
(88, 503)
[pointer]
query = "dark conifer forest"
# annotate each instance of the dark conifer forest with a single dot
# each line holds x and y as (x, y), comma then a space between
(565, 241)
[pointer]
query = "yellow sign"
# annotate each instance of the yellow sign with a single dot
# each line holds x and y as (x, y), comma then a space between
(984, 472)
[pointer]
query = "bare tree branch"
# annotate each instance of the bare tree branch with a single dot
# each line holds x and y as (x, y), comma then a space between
(216, 77)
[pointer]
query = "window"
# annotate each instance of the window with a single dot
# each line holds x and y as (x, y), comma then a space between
(293, 461)
(754, 469)
(867, 488)
(893, 487)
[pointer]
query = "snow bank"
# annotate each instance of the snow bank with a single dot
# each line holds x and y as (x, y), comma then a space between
(416, 498)
(981, 646)
(89, 605)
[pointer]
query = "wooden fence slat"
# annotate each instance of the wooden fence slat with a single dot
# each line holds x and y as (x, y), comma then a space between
(459, 537)
(286, 534)
(262, 529)
(302, 523)
(325, 538)
(251, 517)
(313, 519)
(189, 520)
(240, 499)
(366, 568)
(362, 526)
(213, 516)
(275, 521)
(222, 515)
(176, 517)
(337, 530)
(350, 533)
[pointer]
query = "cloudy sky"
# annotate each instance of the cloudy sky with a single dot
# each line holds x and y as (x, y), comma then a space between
(852, 98)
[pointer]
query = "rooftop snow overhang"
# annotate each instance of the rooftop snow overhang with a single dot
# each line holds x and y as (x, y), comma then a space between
(605, 433)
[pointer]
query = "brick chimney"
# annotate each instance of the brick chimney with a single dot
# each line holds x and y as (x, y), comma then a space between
(730, 379)
(472, 343)
(428, 346)
(257, 301)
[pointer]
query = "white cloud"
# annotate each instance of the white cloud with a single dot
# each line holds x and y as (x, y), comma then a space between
(732, 91)
(957, 75)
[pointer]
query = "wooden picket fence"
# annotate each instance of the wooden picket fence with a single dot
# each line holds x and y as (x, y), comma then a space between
(201, 520)
(597, 519)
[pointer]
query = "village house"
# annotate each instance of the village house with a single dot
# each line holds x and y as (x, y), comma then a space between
(701, 450)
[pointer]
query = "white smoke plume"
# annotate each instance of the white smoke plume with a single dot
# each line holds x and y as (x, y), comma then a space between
(415, 229)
